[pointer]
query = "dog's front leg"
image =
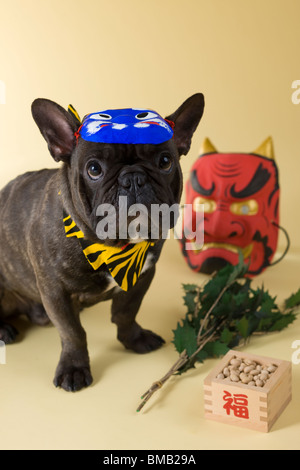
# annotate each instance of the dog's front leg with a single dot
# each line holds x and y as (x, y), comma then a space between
(73, 370)
(125, 307)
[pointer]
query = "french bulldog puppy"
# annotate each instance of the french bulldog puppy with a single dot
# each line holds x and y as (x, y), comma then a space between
(44, 273)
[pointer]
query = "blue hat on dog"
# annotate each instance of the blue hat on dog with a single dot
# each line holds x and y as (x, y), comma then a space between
(126, 126)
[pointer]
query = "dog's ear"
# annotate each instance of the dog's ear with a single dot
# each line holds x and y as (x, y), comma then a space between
(57, 127)
(186, 120)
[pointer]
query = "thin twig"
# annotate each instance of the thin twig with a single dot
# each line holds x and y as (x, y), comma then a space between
(197, 306)
(183, 358)
(207, 340)
(210, 310)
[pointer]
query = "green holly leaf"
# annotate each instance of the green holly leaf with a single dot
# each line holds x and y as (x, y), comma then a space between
(226, 336)
(238, 271)
(265, 324)
(262, 314)
(216, 349)
(293, 300)
(253, 324)
(185, 338)
(243, 326)
(202, 355)
(257, 297)
(212, 289)
(190, 287)
(268, 304)
(240, 298)
(283, 322)
(189, 301)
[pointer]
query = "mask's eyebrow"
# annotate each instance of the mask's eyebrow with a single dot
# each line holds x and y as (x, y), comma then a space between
(260, 178)
(197, 186)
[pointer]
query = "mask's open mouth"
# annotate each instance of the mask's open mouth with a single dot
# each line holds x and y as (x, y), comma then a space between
(246, 251)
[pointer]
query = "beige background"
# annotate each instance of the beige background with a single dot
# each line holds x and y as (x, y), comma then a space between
(244, 56)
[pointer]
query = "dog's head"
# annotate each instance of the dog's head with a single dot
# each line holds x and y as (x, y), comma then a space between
(117, 185)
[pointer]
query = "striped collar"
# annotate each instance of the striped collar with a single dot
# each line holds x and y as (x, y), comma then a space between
(125, 264)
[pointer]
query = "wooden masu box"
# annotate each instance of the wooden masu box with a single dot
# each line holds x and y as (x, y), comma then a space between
(246, 405)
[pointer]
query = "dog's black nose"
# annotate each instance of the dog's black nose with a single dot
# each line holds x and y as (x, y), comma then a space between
(132, 180)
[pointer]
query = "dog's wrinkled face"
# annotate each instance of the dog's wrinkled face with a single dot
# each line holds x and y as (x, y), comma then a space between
(130, 178)
(116, 186)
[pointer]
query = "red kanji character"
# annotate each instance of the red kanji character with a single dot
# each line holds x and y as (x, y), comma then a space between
(238, 404)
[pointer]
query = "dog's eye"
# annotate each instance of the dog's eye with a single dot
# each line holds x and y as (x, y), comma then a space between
(94, 170)
(165, 162)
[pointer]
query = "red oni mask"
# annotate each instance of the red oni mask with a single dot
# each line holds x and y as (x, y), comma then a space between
(240, 197)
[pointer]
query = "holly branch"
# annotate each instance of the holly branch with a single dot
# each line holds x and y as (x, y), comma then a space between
(222, 314)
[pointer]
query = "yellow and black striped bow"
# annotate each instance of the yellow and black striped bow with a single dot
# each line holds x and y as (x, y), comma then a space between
(125, 264)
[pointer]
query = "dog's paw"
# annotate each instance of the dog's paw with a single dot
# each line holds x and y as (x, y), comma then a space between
(142, 341)
(8, 333)
(73, 379)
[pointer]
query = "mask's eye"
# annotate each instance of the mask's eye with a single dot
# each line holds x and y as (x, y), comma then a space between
(249, 207)
(100, 116)
(209, 205)
(165, 162)
(94, 170)
(104, 116)
(145, 115)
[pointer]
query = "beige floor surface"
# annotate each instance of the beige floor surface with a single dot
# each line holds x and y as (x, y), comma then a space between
(36, 415)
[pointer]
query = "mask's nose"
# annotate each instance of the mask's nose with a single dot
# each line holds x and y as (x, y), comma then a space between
(223, 225)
